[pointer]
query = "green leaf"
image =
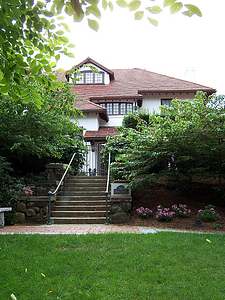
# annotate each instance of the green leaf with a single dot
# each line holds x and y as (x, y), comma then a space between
(52, 77)
(93, 10)
(66, 26)
(47, 13)
(71, 45)
(168, 2)
(64, 39)
(93, 24)
(153, 21)
(48, 69)
(122, 3)
(52, 64)
(193, 10)
(5, 89)
(39, 55)
(26, 99)
(138, 15)
(104, 4)
(154, 9)
(188, 13)
(35, 70)
(35, 95)
(44, 61)
(60, 18)
(69, 54)
(57, 57)
(58, 83)
(23, 93)
(60, 32)
(134, 5)
(110, 4)
(174, 8)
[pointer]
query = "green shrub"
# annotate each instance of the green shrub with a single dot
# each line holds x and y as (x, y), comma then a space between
(209, 214)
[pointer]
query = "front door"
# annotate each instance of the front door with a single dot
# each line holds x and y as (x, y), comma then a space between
(101, 168)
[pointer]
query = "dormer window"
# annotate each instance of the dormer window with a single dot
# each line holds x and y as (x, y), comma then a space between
(89, 78)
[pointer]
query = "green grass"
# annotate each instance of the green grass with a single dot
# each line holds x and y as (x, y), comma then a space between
(113, 266)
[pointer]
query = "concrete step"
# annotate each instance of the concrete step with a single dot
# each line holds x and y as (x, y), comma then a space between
(88, 188)
(79, 203)
(81, 179)
(81, 197)
(82, 220)
(79, 208)
(86, 214)
(83, 193)
(76, 185)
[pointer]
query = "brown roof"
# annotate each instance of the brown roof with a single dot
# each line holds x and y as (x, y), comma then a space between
(133, 83)
(101, 134)
(128, 84)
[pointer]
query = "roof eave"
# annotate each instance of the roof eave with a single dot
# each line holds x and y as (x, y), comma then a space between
(209, 91)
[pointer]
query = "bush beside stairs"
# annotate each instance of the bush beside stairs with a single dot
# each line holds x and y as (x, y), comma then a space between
(83, 203)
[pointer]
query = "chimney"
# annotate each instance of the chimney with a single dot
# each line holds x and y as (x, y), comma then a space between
(190, 74)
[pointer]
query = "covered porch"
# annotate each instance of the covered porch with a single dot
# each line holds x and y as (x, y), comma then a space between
(95, 141)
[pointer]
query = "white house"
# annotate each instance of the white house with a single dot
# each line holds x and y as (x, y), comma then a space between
(108, 95)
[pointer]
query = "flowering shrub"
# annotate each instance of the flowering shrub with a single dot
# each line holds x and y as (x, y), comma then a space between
(144, 212)
(209, 214)
(164, 214)
(181, 210)
(27, 190)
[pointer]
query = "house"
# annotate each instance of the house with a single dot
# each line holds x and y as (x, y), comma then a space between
(107, 95)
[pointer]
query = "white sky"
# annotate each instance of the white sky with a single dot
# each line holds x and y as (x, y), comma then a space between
(177, 44)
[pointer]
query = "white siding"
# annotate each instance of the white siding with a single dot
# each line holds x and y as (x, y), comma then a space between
(114, 120)
(153, 102)
(89, 122)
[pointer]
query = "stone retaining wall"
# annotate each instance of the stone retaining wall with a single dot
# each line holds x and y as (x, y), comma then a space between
(27, 209)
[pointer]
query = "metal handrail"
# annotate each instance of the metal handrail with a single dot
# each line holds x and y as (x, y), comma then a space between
(50, 193)
(107, 190)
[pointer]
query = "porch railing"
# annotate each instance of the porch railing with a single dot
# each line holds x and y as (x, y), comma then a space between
(50, 193)
(107, 191)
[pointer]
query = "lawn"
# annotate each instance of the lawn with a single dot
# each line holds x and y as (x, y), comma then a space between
(113, 266)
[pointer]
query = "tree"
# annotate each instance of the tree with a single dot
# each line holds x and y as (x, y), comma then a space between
(46, 131)
(82, 9)
(185, 143)
(32, 38)
(30, 45)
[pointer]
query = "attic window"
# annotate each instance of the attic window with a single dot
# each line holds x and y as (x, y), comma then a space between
(89, 78)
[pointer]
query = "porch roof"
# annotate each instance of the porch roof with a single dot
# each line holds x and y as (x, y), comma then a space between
(101, 134)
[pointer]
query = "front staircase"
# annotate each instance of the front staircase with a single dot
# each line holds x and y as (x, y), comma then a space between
(83, 203)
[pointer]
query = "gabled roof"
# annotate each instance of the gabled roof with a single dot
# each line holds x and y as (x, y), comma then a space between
(128, 84)
(134, 83)
(89, 60)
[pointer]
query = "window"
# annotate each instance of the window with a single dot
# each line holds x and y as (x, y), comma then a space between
(166, 102)
(116, 108)
(88, 77)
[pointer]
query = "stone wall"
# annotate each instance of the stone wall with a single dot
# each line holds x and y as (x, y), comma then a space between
(120, 207)
(120, 203)
(35, 208)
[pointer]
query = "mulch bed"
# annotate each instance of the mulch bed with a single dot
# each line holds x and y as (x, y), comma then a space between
(196, 197)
